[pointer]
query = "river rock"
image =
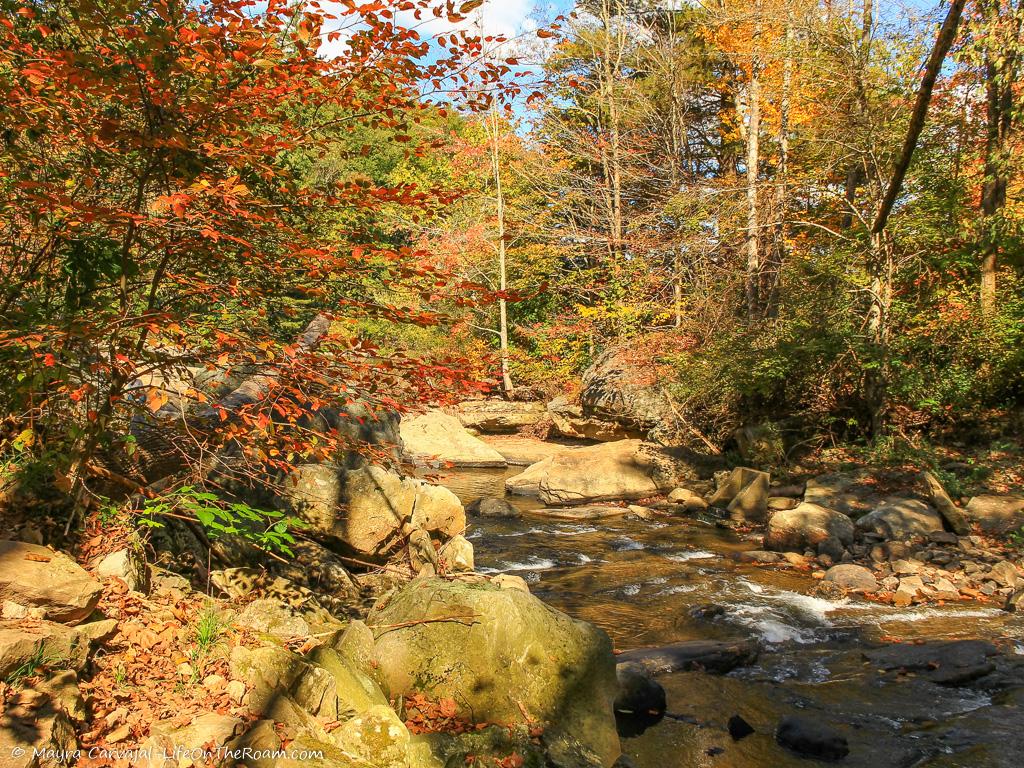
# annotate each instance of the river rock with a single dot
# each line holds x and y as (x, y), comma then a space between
(707, 655)
(567, 420)
(942, 502)
(435, 438)
(364, 508)
(638, 693)
(491, 506)
(33, 728)
(687, 500)
(805, 527)
(843, 492)
(620, 471)
(128, 565)
(271, 617)
(38, 577)
(781, 503)
(955, 662)
(901, 519)
(744, 495)
(759, 556)
(996, 514)
(499, 416)
(1004, 574)
(1015, 602)
(457, 555)
(504, 657)
(523, 451)
(854, 578)
(811, 738)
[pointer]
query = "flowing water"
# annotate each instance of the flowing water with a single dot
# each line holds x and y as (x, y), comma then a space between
(649, 583)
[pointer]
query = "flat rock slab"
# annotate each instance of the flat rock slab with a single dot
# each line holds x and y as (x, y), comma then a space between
(944, 663)
(586, 512)
(38, 577)
(693, 655)
(523, 451)
(434, 439)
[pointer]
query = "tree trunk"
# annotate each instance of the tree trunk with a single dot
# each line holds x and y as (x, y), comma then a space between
(499, 191)
(753, 162)
(1001, 69)
(880, 263)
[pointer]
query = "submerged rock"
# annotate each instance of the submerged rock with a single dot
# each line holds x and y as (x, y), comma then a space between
(945, 663)
(705, 655)
(491, 506)
(504, 657)
(811, 738)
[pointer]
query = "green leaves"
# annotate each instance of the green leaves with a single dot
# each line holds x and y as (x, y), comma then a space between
(267, 529)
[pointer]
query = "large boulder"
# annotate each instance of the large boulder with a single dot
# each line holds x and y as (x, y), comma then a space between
(619, 471)
(499, 416)
(567, 420)
(364, 508)
(996, 514)
(435, 438)
(503, 657)
(622, 385)
(795, 530)
(901, 519)
(38, 577)
(851, 493)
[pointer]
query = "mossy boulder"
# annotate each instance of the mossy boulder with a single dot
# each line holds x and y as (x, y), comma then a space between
(504, 657)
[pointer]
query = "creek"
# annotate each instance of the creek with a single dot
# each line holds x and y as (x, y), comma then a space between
(653, 582)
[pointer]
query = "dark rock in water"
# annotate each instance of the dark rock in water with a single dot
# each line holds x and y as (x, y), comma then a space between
(945, 663)
(714, 751)
(809, 738)
(624, 761)
(640, 702)
(703, 655)
(638, 692)
(739, 728)
(832, 547)
(491, 506)
(1015, 602)
(708, 611)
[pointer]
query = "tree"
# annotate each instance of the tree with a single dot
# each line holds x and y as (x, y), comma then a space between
(159, 220)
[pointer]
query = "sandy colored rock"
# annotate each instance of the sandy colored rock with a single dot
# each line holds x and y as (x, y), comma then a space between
(34, 576)
(621, 471)
(457, 554)
(435, 438)
(499, 416)
(365, 507)
(942, 502)
(128, 565)
(854, 578)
